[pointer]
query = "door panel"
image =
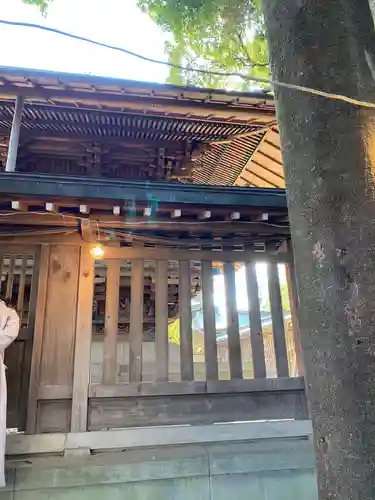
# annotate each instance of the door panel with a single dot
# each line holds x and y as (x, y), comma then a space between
(19, 277)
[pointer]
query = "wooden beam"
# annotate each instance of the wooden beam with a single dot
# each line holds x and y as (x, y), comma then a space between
(235, 216)
(133, 222)
(256, 333)
(234, 344)
(55, 186)
(186, 335)
(52, 207)
(147, 212)
(86, 230)
(206, 214)
(175, 214)
(82, 350)
(111, 322)
(15, 135)
(84, 209)
(139, 103)
(38, 339)
(278, 385)
(210, 347)
(161, 319)
(20, 206)
(127, 253)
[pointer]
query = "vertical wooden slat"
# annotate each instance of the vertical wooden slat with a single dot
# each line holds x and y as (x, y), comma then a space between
(136, 322)
(26, 366)
(186, 335)
(111, 322)
(21, 287)
(1, 270)
(10, 278)
(82, 348)
(210, 347)
(290, 278)
(161, 317)
(256, 333)
(41, 296)
(234, 344)
(34, 288)
(277, 321)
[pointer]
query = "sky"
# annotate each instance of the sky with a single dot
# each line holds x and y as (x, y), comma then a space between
(117, 22)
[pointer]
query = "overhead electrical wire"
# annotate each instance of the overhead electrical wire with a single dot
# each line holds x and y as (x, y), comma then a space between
(140, 223)
(275, 83)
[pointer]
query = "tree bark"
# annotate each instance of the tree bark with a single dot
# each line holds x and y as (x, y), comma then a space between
(329, 160)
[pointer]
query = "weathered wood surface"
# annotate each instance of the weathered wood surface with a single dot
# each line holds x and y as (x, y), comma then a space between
(53, 353)
(56, 392)
(111, 322)
(278, 329)
(161, 320)
(186, 335)
(234, 344)
(83, 336)
(26, 366)
(60, 317)
(195, 409)
(38, 338)
(136, 321)
(290, 277)
(189, 388)
(192, 255)
(21, 286)
(10, 278)
(14, 360)
(147, 389)
(256, 333)
(19, 445)
(54, 416)
(210, 346)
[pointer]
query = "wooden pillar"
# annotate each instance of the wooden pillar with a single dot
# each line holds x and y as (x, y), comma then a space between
(329, 161)
(82, 348)
(15, 135)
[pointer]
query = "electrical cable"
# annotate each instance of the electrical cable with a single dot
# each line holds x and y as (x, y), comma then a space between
(257, 79)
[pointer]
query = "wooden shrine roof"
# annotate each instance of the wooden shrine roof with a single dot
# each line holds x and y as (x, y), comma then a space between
(68, 118)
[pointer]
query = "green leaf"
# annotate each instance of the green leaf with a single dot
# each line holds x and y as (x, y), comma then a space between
(214, 35)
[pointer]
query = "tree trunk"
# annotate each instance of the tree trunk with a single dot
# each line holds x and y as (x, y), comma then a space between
(329, 159)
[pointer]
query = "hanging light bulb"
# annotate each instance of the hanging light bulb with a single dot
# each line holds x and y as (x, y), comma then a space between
(97, 251)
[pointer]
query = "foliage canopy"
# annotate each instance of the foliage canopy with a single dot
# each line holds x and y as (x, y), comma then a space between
(41, 4)
(215, 35)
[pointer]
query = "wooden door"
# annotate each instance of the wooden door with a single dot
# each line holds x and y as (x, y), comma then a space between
(18, 273)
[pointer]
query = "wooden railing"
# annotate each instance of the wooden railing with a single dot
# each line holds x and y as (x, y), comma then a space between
(107, 370)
